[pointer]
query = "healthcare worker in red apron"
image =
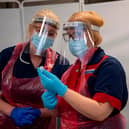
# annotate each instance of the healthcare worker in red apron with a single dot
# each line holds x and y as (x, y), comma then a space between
(21, 106)
(93, 90)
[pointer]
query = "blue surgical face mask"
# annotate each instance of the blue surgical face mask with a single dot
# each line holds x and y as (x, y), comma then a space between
(36, 40)
(78, 48)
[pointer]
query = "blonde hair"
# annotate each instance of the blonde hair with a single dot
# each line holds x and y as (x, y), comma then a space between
(47, 13)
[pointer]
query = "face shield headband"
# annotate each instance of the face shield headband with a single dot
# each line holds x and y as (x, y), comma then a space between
(78, 36)
(48, 20)
(43, 39)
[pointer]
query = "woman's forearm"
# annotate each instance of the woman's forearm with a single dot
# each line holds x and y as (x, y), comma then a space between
(87, 106)
(47, 113)
(5, 107)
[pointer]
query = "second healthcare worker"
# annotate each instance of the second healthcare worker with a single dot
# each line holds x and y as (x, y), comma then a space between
(93, 90)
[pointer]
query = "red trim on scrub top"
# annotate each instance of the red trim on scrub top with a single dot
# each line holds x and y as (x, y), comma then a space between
(103, 97)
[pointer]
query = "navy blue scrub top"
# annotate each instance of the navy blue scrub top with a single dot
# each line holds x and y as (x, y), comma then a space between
(110, 81)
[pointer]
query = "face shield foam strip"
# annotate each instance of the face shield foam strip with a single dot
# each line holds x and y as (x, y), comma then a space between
(47, 20)
(95, 28)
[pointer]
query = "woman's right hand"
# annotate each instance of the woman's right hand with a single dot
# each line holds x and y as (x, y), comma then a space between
(24, 115)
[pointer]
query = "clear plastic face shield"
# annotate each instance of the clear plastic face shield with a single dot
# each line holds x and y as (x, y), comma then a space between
(44, 34)
(79, 38)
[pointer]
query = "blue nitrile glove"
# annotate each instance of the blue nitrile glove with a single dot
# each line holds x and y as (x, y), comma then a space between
(24, 115)
(49, 100)
(51, 82)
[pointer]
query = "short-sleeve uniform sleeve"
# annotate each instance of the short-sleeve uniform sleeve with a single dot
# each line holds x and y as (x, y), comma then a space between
(110, 84)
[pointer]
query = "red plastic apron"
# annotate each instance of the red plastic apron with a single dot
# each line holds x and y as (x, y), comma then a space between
(76, 78)
(24, 92)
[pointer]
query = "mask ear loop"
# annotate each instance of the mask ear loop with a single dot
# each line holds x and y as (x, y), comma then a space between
(90, 38)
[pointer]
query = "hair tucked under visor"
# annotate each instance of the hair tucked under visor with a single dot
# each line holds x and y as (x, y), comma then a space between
(38, 17)
(47, 21)
(87, 16)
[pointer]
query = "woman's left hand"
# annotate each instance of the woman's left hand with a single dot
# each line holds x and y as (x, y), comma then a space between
(49, 100)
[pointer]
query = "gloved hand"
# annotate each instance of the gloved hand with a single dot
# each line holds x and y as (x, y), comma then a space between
(51, 82)
(49, 100)
(24, 115)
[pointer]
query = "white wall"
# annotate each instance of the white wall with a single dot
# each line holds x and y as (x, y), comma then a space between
(9, 27)
(115, 31)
